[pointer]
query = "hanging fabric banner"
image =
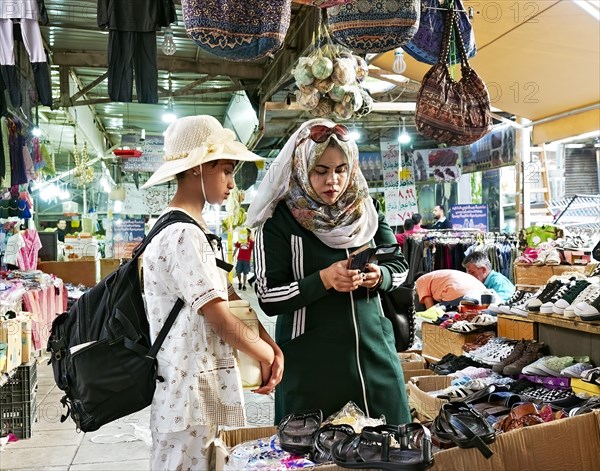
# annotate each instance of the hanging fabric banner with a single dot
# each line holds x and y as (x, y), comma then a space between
(398, 182)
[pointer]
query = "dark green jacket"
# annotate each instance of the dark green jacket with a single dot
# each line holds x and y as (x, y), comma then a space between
(338, 347)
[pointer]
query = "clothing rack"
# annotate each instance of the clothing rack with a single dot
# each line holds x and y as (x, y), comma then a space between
(430, 251)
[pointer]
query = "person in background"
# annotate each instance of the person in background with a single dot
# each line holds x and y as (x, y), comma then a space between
(311, 211)
(243, 250)
(61, 230)
(416, 217)
(409, 229)
(478, 265)
(445, 286)
(439, 214)
(202, 390)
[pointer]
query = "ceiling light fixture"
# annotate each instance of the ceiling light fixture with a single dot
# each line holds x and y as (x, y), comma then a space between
(399, 65)
(36, 131)
(168, 45)
(355, 134)
(404, 137)
(169, 115)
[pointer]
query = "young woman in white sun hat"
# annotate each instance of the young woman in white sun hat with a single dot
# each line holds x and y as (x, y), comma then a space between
(202, 388)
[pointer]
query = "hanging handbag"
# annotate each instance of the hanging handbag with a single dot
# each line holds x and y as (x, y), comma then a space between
(399, 308)
(426, 44)
(370, 26)
(237, 30)
(455, 113)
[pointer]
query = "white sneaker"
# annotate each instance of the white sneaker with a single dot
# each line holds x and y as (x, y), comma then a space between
(569, 310)
(580, 306)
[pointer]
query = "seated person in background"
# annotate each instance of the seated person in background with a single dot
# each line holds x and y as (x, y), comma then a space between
(440, 221)
(478, 265)
(445, 286)
(416, 217)
(409, 229)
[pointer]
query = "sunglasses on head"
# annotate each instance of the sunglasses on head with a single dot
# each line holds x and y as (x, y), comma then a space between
(320, 132)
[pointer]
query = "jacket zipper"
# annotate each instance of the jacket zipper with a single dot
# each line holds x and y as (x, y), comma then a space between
(360, 373)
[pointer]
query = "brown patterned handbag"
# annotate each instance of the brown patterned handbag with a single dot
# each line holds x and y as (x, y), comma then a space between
(455, 113)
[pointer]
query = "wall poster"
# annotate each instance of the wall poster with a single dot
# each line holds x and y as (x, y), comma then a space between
(399, 183)
(496, 149)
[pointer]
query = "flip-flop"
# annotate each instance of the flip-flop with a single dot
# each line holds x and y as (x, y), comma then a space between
(373, 448)
(297, 432)
(465, 426)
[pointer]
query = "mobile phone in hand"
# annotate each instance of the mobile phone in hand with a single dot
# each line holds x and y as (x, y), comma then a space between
(359, 259)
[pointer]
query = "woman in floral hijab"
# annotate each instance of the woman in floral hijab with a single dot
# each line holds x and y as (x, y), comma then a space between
(311, 211)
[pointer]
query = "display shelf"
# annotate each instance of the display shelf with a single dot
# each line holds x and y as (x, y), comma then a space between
(573, 324)
(577, 213)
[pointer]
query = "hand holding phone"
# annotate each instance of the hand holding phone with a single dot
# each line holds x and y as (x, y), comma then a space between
(359, 259)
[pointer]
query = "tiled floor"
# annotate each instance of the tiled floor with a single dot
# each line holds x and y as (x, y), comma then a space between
(121, 445)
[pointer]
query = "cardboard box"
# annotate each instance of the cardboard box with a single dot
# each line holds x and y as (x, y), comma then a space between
(578, 385)
(571, 444)
(534, 276)
(108, 265)
(10, 334)
(26, 336)
(577, 257)
(408, 374)
(230, 438)
(515, 327)
(427, 405)
(412, 361)
(438, 341)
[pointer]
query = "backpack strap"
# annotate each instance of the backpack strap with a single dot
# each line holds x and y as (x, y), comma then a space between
(179, 216)
(162, 335)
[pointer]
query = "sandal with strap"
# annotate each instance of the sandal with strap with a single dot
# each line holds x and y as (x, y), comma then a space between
(373, 448)
(297, 432)
(465, 426)
(326, 437)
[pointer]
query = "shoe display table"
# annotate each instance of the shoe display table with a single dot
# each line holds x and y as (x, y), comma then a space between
(563, 336)
(533, 276)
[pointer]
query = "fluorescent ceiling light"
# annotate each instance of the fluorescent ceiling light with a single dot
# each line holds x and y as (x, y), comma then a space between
(590, 6)
(355, 135)
(575, 146)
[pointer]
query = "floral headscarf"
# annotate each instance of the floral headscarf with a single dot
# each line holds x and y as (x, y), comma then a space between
(350, 222)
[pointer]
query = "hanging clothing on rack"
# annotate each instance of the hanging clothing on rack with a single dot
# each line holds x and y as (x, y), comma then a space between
(25, 14)
(431, 250)
(132, 26)
(16, 142)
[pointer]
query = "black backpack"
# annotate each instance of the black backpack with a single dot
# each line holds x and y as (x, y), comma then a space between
(102, 355)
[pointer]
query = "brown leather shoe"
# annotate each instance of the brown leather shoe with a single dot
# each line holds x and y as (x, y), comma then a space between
(532, 352)
(517, 352)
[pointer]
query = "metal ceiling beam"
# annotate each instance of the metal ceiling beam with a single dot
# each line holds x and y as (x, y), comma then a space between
(100, 59)
(205, 91)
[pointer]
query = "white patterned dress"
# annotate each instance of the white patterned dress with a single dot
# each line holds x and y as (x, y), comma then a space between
(202, 388)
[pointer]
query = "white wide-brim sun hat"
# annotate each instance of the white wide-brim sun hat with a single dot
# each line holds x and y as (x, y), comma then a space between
(196, 140)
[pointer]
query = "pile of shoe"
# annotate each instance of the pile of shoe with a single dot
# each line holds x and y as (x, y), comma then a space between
(524, 352)
(493, 352)
(451, 363)
(568, 297)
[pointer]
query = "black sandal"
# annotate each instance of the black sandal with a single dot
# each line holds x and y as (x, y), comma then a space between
(326, 437)
(465, 426)
(297, 432)
(373, 448)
